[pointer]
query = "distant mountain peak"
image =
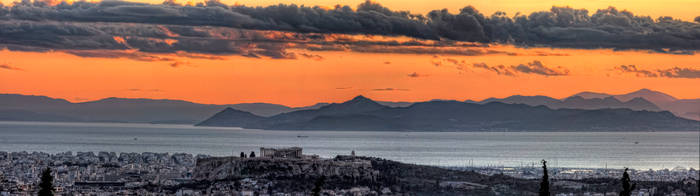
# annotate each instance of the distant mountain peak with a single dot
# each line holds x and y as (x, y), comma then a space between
(650, 95)
(359, 103)
(360, 98)
(230, 109)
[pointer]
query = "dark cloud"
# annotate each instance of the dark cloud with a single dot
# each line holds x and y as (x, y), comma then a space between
(534, 67)
(559, 27)
(674, 72)
(214, 28)
(390, 89)
(8, 67)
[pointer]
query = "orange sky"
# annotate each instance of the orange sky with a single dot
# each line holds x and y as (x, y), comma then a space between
(338, 77)
(341, 75)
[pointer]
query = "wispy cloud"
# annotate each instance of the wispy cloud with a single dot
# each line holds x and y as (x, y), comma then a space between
(177, 64)
(128, 54)
(143, 90)
(636, 71)
(416, 75)
(8, 67)
(499, 69)
(674, 72)
(390, 89)
(311, 56)
(535, 67)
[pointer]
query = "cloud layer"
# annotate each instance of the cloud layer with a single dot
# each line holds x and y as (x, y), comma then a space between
(215, 28)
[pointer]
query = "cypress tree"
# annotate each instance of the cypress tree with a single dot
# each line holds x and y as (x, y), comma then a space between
(318, 186)
(627, 188)
(252, 154)
(544, 185)
(46, 184)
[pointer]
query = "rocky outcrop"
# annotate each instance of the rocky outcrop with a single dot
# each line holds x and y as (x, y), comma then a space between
(344, 173)
(222, 168)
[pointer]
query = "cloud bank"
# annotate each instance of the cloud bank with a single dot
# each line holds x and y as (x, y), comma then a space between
(213, 28)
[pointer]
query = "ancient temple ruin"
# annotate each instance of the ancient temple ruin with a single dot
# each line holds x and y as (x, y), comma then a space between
(289, 153)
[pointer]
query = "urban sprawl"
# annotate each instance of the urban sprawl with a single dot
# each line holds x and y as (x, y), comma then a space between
(273, 172)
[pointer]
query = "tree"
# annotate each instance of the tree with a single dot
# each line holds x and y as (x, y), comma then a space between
(318, 186)
(242, 155)
(252, 154)
(46, 184)
(626, 187)
(544, 185)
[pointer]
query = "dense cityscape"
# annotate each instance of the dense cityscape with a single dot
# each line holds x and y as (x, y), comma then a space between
(110, 173)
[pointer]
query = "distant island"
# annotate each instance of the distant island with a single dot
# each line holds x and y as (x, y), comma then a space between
(362, 113)
(16, 107)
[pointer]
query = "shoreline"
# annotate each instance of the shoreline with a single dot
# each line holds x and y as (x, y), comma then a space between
(194, 126)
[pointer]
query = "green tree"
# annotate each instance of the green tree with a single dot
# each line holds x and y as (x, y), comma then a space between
(627, 188)
(318, 186)
(46, 184)
(544, 185)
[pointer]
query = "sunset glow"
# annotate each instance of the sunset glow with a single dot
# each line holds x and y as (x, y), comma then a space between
(304, 70)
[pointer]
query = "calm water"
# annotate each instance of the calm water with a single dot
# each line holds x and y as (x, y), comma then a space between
(641, 150)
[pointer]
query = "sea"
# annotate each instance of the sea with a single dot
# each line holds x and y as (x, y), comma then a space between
(566, 149)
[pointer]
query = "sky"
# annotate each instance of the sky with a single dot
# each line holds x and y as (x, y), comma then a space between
(222, 54)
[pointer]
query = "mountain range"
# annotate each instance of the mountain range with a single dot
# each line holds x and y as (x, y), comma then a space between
(40, 108)
(577, 102)
(17, 107)
(686, 108)
(362, 113)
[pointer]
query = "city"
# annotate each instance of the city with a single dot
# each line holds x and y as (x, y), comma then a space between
(109, 173)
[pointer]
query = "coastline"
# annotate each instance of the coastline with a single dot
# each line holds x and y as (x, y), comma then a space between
(148, 173)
